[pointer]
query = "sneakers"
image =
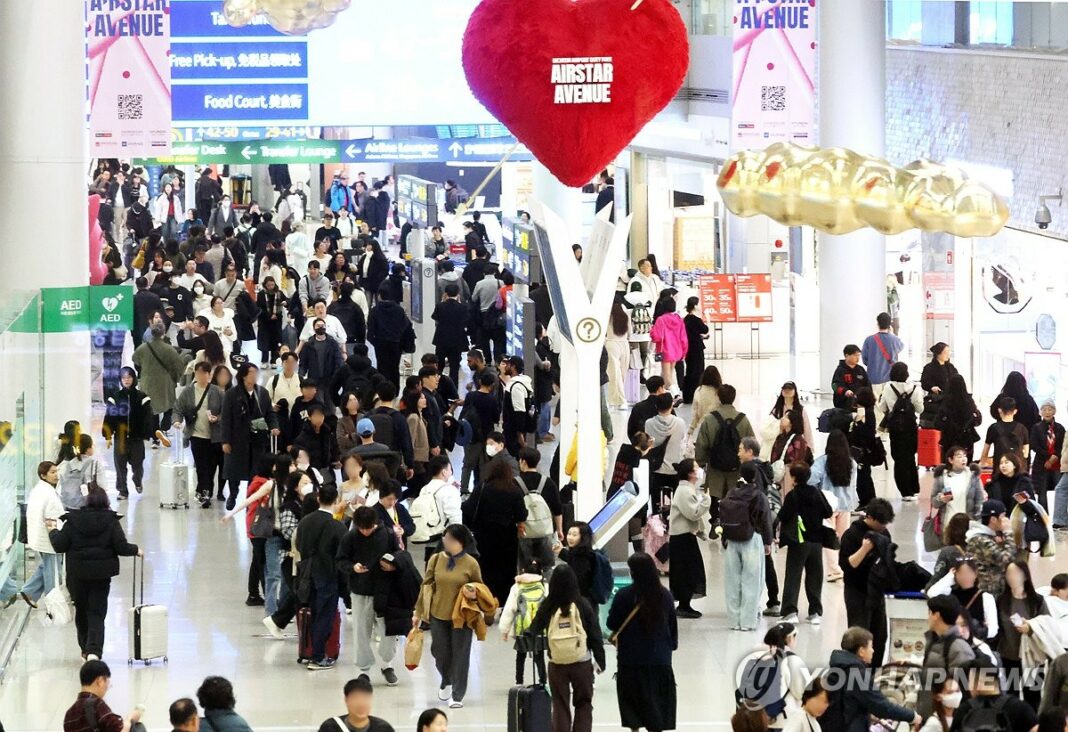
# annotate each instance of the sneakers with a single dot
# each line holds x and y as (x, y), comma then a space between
(445, 692)
(773, 611)
(124, 496)
(324, 665)
(162, 437)
(231, 502)
(205, 502)
(139, 488)
(273, 629)
(455, 704)
(254, 601)
(814, 618)
(834, 577)
(791, 618)
(687, 613)
(390, 676)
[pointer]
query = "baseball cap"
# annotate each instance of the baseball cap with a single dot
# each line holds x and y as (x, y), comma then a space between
(992, 508)
(789, 385)
(516, 361)
(365, 427)
(388, 558)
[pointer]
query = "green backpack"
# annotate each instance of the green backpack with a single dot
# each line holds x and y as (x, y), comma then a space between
(531, 595)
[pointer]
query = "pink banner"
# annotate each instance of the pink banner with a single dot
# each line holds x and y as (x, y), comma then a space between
(129, 76)
(773, 97)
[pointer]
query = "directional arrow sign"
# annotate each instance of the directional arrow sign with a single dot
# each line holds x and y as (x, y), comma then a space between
(247, 152)
(352, 151)
(315, 152)
(456, 148)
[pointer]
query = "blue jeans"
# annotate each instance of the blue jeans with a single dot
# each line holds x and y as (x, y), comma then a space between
(545, 419)
(744, 581)
(43, 578)
(1060, 501)
(272, 574)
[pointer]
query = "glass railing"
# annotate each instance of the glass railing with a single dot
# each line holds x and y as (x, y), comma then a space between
(22, 447)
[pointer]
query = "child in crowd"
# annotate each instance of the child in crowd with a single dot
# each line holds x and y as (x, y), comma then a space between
(519, 610)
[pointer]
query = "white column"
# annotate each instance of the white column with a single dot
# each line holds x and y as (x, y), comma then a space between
(44, 156)
(852, 114)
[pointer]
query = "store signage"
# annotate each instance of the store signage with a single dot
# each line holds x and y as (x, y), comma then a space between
(246, 60)
(579, 90)
(718, 298)
(129, 77)
(938, 295)
(69, 309)
(774, 90)
(753, 297)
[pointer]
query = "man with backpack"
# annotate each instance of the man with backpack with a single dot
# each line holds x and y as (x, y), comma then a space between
(945, 651)
(436, 507)
(898, 408)
(545, 511)
(855, 699)
(391, 427)
(879, 352)
(716, 447)
(864, 545)
(745, 523)
(749, 452)
(988, 708)
(520, 413)
(358, 555)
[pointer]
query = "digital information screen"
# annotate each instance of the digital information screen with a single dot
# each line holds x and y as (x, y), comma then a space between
(378, 64)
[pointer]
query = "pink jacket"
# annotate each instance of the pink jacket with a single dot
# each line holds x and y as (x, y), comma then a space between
(669, 335)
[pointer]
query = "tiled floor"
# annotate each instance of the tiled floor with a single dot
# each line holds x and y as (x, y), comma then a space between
(197, 567)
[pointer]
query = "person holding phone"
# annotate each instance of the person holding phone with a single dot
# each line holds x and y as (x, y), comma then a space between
(1018, 604)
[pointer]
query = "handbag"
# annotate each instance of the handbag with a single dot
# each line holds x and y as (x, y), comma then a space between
(57, 605)
(932, 531)
(614, 638)
(263, 520)
(778, 468)
(413, 649)
(829, 540)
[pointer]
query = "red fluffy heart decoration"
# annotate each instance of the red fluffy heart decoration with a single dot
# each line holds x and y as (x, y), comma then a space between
(637, 58)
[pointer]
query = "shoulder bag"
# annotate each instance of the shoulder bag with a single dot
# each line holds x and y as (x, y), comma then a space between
(614, 638)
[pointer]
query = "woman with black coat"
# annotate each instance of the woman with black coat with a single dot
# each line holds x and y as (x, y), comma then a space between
(247, 415)
(373, 268)
(93, 540)
(396, 583)
(866, 445)
(643, 621)
(958, 418)
(1047, 441)
(936, 374)
(495, 512)
(271, 302)
(245, 315)
(1015, 386)
(578, 554)
(696, 332)
(1010, 478)
(571, 682)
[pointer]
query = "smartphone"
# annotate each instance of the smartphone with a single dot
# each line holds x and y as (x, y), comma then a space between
(1016, 619)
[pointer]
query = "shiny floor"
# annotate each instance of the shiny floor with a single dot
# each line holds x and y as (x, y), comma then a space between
(197, 567)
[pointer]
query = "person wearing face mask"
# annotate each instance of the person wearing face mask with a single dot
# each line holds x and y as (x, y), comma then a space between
(687, 522)
(321, 359)
(946, 697)
(334, 327)
(201, 295)
(263, 490)
(198, 408)
(944, 650)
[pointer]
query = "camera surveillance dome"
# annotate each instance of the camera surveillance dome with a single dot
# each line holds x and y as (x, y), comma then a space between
(1043, 218)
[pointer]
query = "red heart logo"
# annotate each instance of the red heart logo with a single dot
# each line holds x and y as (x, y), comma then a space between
(575, 80)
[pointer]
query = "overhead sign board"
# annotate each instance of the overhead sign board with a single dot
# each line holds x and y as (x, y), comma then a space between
(427, 150)
(316, 152)
(68, 309)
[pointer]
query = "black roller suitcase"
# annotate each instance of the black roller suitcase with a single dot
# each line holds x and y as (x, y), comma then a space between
(529, 707)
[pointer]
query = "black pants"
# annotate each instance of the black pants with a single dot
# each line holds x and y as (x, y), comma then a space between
(450, 356)
(865, 485)
(695, 366)
(207, 457)
(771, 580)
(387, 360)
(323, 604)
(868, 611)
(521, 664)
(255, 568)
(1032, 696)
(1044, 481)
(903, 450)
(90, 611)
(287, 608)
(494, 339)
(129, 451)
(808, 558)
(162, 421)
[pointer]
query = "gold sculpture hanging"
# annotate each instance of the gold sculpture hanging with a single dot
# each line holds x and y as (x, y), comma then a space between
(838, 191)
(292, 17)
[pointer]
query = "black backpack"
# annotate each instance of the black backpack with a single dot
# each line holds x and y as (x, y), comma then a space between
(723, 454)
(527, 420)
(736, 517)
(383, 423)
(984, 715)
(902, 418)
(469, 414)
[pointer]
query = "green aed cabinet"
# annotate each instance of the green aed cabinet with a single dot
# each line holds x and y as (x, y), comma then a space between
(70, 309)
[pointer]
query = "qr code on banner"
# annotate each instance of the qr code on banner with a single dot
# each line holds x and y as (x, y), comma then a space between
(773, 99)
(131, 106)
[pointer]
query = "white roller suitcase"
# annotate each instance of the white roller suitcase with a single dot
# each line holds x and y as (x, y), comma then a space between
(148, 626)
(174, 477)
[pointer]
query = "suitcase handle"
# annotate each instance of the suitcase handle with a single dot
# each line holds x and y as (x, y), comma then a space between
(134, 595)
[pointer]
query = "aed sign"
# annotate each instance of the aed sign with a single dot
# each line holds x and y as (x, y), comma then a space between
(69, 309)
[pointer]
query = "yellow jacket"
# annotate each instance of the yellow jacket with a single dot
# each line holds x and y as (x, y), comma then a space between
(476, 614)
(571, 464)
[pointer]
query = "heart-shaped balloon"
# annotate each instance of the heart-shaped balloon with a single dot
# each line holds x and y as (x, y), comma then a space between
(575, 80)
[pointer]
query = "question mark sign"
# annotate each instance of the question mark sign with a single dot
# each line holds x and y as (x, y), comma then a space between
(588, 329)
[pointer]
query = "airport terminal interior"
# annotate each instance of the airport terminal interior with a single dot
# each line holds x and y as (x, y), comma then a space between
(534, 366)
